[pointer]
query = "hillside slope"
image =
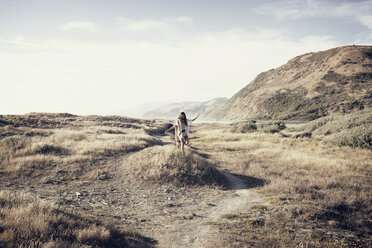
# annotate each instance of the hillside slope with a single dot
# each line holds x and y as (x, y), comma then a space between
(309, 86)
(171, 111)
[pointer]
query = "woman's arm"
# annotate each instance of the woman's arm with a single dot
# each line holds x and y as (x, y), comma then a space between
(196, 117)
(173, 127)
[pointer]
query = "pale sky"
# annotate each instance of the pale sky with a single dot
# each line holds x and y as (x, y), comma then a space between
(107, 57)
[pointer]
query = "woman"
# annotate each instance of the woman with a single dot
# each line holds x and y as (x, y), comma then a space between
(182, 130)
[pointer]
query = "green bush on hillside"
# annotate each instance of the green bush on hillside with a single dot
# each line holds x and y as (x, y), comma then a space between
(354, 129)
(293, 104)
(272, 127)
(356, 137)
(244, 127)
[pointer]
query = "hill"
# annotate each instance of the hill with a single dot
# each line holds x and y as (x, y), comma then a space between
(172, 110)
(308, 87)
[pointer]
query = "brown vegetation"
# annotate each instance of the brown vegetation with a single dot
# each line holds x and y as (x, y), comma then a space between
(318, 194)
(67, 146)
(166, 164)
(353, 129)
(27, 221)
(109, 176)
(63, 150)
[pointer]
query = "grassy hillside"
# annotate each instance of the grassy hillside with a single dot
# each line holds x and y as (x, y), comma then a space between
(308, 87)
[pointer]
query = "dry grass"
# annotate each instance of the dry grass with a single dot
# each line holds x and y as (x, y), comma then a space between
(166, 164)
(27, 221)
(320, 194)
(353, 129)
(70, 151)
(64, 149)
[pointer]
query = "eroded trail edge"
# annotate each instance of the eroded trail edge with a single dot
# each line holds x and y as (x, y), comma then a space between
(198, 232)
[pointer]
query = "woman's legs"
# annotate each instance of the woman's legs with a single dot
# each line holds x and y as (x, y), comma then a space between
(177, 137)
(183, 148)
(182, 140)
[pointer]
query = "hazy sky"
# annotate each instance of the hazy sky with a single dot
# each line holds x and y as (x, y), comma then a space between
(106, 57)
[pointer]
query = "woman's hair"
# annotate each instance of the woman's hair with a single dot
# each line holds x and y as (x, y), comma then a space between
(184, 120)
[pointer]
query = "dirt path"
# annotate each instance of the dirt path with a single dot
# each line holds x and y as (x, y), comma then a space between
(197, 231)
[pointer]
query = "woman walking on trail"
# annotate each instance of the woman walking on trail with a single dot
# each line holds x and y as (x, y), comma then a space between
(182, 130)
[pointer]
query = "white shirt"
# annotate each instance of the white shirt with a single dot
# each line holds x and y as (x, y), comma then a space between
(186, 128)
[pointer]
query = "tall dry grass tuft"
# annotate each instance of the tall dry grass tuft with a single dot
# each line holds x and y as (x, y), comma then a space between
(166, 164)
(27, 221)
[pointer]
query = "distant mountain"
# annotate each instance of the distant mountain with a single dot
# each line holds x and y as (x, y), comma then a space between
(172, 110)
(139, 110)
(309, 86)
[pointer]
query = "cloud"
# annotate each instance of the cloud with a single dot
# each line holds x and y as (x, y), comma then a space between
(294, 10)
(180, 19)
(365, 20)
(126, 24)
(290, 9)
(359, 11)
(142, 25)
(82, 25)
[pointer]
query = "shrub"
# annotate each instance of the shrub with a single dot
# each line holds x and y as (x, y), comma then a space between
(166, 164)
(273, 127)
(356, 137)
(244, 127)
(52, 150)
(303, 135)
(313, 125)
(332, 76)
(352, 129)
